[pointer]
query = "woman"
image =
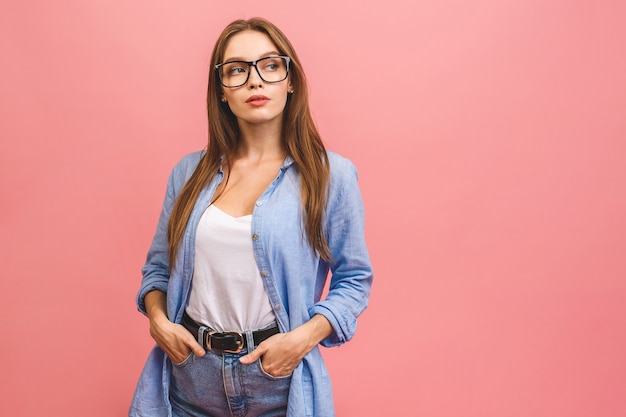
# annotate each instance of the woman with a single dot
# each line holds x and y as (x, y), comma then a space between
(249, 230)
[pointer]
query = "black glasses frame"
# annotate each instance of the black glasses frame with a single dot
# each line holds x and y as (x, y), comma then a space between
(252, 64)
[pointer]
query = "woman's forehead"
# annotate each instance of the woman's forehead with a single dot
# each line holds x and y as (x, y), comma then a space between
(248, 46)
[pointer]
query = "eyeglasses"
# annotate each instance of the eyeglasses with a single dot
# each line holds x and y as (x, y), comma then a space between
(271, 69)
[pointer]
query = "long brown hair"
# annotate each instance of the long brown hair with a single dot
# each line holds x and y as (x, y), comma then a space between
(299, 135)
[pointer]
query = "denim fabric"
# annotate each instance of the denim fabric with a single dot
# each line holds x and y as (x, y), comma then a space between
(219, 385)
(293, 275)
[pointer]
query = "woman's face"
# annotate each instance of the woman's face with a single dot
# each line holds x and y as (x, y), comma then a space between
(256, 101)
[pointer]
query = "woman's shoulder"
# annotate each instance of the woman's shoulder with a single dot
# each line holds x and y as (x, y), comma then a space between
(340, 166)
(183, 170)
(190, 160)
(343, 174)
(187, 164)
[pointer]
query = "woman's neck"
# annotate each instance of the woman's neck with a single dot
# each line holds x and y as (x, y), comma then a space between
(260, 141)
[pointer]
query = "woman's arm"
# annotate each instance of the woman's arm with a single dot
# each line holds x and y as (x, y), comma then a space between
(284, 351)
(174, 339)
(351, 268)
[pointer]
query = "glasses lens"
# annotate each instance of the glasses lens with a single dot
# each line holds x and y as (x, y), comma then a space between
(234, 74)
(271, 69)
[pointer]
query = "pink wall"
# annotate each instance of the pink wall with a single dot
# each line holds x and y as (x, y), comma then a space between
(490, 137)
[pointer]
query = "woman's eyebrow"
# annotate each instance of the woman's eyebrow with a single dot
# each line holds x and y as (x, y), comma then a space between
(265, 55)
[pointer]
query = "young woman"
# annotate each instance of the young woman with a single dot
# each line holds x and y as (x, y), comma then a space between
(249, 230)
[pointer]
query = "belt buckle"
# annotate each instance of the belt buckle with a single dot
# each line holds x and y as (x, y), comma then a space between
(222, 341)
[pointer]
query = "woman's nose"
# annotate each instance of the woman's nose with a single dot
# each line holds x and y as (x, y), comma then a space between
(254, 80)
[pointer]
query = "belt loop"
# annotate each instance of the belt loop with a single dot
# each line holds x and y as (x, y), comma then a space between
(250, 341)
(201, 337)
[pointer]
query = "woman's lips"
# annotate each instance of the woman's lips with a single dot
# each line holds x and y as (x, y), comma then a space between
(257, 100)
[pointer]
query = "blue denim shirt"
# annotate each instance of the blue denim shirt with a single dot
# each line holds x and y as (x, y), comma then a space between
(293, 275)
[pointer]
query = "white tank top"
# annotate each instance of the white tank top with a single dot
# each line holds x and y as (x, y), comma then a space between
(227, 293)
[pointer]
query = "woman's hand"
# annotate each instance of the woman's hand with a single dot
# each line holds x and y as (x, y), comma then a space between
(174, 339)
(282, 352)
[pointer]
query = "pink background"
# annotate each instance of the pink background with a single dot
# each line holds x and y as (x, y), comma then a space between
(490, 138)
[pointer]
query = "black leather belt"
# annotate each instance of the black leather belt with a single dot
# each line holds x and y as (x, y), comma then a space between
(229, 342)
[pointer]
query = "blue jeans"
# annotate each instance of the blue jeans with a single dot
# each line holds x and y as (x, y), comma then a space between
(218, 385)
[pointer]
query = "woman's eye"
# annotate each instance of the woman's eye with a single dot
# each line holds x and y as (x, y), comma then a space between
(271, 66)
(236, 70)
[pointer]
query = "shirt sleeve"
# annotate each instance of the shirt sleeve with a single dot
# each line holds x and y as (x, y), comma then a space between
(156, 269)
(351, 269)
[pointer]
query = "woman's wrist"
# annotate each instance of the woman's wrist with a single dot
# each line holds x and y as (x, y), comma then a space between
(155, 305)
(318, 328)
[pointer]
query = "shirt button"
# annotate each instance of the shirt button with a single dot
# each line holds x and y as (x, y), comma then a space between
(255, 237)
(259, 204)
(277, 307)
(263, 273)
